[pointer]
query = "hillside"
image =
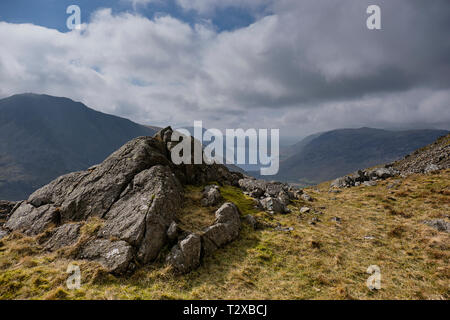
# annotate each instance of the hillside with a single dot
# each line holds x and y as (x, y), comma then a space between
(314, 243)
(335, 153)
(43, 137)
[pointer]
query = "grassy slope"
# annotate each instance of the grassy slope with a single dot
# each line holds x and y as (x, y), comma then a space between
(326, 261)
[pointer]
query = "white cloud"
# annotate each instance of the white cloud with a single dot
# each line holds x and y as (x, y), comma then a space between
(302, 69)
(206, 7)
(138, 3)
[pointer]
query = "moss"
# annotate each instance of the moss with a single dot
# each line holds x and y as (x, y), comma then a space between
(245, 204)
(325, 261)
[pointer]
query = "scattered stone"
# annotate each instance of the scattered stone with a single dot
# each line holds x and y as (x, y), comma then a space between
(225, 229)
(211, 196)
(431, 168)
(336, 219)
(439, 225)
(185, 256)
(273, 205)
(314, 221)
(369, 238)
(306, 197)
(284, 229)
(304, 210)
(370, 183)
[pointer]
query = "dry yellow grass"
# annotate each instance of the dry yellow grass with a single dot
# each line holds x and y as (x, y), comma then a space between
(323, 261)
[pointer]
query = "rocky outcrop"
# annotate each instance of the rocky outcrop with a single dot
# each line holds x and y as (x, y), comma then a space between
(273, 197)
(429, 159)
(63, 236)
(134, 194)
(186, 254)
(366, 177)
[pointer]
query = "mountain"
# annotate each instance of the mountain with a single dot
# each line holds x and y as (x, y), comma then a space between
(140, 222)
(43, 137)
(335, 153)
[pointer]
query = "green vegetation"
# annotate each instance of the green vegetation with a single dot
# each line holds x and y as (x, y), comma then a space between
(379, 226)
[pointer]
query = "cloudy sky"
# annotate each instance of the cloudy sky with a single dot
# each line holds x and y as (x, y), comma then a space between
(303, 66)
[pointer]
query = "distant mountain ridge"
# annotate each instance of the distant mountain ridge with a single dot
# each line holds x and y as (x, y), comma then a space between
(332, 154)
(43, 137)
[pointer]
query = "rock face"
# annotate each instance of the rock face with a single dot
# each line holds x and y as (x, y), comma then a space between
(186, 254)
(135, 194)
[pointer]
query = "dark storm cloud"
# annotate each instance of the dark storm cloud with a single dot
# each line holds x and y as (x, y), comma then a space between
(309, 66)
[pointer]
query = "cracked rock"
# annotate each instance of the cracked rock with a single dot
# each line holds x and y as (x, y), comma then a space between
(185, 256)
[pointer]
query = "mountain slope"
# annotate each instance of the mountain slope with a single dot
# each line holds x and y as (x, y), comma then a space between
(339, 152)
(42, 137)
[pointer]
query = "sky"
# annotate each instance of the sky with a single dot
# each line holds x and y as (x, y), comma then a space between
(301, 66)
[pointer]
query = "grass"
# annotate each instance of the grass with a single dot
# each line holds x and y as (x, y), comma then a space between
(323, 261)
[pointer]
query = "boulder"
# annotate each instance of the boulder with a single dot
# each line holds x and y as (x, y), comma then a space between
(63, 236)
(185, 256)
(135, 193)
(225, 229)
(306, 197)
(273, 205)
(115, 256)
(144, 212)
(211, 196)
(304, 210)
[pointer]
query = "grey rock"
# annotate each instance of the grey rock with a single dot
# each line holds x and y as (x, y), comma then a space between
(284, 229)
(3, 233)
(225, 229)
(211, 196)
(173, 232)
(336, 219)
(370, 183)
(284, 198)
(185, 256)
(272, 205)
(431, 168)
(115, 256)
(306, 197)
(32, 221)
(304, 210)
(439, 225)
(273, 189)
(142, 215)
(63, 236)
